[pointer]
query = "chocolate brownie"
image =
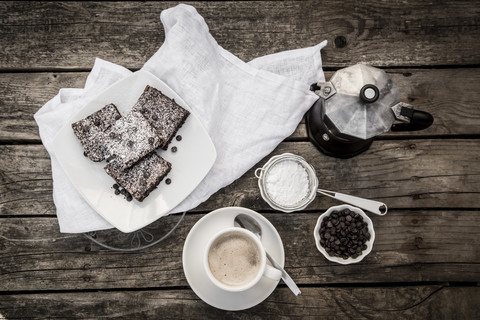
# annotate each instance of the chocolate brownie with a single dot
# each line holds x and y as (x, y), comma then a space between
(90, 131)
(143, 177)
(130, 139)
(163, 114)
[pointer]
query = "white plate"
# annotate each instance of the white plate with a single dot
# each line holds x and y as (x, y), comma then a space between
(190, 164)
(196, 275)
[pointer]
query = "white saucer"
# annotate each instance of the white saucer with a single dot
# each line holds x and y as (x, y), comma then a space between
(193, 251)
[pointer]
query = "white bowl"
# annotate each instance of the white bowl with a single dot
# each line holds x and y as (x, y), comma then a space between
(369, 243)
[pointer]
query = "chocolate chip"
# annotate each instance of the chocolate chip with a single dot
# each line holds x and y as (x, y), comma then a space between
(146, 175)
(168, 181)
(179, 138)
(344, 234)
(117, 117)
(117, 192)
(151, 140)
(112, 135)
(96, 122)
(174, 149)
(129, 197)
(154, 117)
(130, 143)
(85, 154)
(115, 186)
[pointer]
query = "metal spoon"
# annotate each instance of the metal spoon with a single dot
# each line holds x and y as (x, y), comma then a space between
(249, 223)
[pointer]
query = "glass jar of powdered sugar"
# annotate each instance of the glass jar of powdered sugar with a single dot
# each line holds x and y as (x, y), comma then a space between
(287, 182)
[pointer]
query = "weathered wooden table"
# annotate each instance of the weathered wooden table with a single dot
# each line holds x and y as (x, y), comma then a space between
(426, 259)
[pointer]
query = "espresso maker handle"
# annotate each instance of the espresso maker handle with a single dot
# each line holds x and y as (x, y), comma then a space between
(419, 120)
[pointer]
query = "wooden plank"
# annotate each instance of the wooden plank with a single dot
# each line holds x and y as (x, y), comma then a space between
(25, 181)
(23, 94)
(410, 246)
(402, 173)
(399, 173)
(417, 302)
(451, 95)
(69, 35)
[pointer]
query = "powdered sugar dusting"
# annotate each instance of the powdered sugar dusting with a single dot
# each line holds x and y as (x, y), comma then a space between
(130, 139)
(287, 183)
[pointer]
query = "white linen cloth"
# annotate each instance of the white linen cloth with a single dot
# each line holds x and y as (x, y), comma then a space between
(247, 108)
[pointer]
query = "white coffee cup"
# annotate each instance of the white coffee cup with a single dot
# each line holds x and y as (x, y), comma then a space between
(235, 260)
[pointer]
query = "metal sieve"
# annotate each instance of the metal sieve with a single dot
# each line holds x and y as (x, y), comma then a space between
(261, 174)
(373, 206)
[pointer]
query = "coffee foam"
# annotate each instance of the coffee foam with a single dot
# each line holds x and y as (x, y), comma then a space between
(234, 259)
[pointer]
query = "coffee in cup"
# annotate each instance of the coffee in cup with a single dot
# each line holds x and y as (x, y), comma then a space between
(235, 260)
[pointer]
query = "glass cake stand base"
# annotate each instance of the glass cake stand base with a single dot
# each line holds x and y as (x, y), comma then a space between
(146, 237)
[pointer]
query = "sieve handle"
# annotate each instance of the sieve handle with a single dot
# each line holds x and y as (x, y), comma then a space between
(373, 206)
(258, 173)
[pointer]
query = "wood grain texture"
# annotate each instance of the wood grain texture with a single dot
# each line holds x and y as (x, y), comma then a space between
(451, 95)
(426, 256)
(410, 246)
(23, 94)
(69, 35)
(25, 180)
(416, 302)
(399, 173)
